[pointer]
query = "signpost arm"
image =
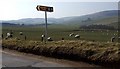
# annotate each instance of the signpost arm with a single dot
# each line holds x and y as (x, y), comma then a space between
(45, 26)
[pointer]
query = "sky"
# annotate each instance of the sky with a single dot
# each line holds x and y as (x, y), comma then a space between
(18, 9)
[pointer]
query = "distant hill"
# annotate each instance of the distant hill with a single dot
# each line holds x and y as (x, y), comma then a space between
(104, 17)
(19, 25)
(95, 18)
(31, 21)
(8, 24)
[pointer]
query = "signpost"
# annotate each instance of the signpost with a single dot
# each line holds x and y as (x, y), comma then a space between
(46, 9)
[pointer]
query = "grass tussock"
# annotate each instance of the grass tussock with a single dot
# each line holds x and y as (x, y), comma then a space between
(96, 52)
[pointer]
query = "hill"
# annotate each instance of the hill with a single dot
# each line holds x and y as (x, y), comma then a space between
(104, 17)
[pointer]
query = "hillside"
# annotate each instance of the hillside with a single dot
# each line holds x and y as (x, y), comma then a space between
(103, 17)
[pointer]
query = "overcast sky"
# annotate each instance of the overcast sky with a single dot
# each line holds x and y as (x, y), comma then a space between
(18, 9)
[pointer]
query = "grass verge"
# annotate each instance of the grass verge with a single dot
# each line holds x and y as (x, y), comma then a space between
(106, 54)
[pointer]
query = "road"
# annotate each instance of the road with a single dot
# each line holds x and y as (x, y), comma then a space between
(9, 60)
(12, 59)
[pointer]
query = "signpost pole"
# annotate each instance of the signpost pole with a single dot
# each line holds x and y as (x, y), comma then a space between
(46, 9)
(45, 27)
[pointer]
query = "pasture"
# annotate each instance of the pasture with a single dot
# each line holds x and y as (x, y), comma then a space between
(102, 52)
(57, 32)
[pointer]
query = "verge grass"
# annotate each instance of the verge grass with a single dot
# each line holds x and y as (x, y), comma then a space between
(106, 54)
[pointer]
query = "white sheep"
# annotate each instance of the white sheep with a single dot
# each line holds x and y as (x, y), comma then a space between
(8, 35)
(21, 33)
(71, 34)
(49, 39)
(112, 39)
(43, 36)
(77, 36)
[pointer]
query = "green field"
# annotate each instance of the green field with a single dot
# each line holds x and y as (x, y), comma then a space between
(57, 32)
(101, 53)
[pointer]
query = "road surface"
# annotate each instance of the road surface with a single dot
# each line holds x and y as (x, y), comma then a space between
(12, 59)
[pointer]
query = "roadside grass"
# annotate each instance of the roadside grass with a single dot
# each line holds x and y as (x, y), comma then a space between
(103, 53)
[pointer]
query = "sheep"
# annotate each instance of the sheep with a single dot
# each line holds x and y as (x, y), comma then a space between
(71, 34)
(9, 35)
(77, 36)
(112, 39)
(49, 39)
(21, 33)
(42, 37)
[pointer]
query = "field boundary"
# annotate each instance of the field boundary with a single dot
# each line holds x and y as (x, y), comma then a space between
(105, 54)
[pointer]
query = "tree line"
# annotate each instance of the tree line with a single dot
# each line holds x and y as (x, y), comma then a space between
(97, 27)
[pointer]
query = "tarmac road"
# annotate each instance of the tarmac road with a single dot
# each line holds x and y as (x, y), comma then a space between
(9, 60)
(12, 59)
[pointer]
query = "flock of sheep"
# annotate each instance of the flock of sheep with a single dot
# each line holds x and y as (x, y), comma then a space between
(77, 36)
(71, 34)
(10, 35)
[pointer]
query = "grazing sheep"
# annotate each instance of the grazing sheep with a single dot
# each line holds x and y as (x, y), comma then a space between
(77, 36)
(71, 34)
(9, 35)
(21, 33)
(42, 37)
(112, 39)
(49, 39)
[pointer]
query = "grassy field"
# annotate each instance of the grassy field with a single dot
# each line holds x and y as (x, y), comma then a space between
(58, 32)
(102, 52)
